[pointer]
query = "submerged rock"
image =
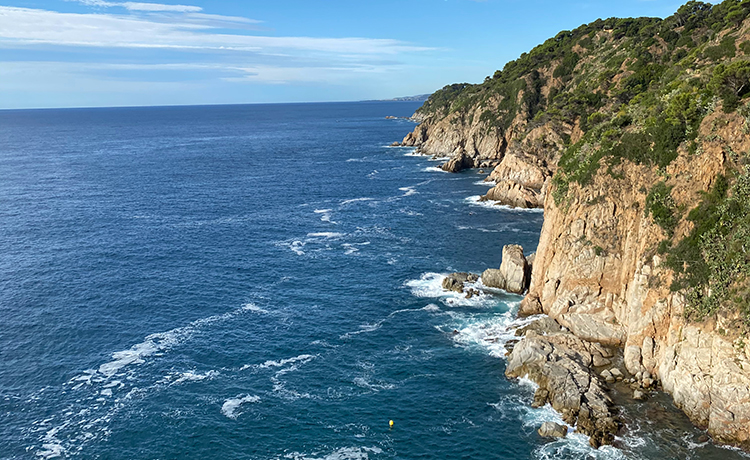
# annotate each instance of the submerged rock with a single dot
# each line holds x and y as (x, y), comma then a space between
(552, 430)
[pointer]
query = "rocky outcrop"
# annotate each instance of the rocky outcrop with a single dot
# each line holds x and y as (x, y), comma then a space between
(561, 364)
(513, 274)
(520, 181)
(456, 281)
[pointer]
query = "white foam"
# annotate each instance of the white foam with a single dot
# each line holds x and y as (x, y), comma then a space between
(362, 382)
(487, 183)
(231, 406)
(283, 362)
(435, 169)
(296, 246)
(430, 285)
(254, 308)
(413, 153)
(326, 215)
(193, 377)
(154, 344)
(356, 200)
(325, 235)
(345, 453)
(351, 248)
(408, 191)
(431, 308)
(476, 201)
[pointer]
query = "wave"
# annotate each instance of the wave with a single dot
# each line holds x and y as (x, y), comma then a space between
(231, 406)
(430, 285)
(409, 191)
(487, 183)
(344, 453)
(326, 215)
(283, 362)
(325, 235)
(356, 200)
(476, 201)
(435, 169)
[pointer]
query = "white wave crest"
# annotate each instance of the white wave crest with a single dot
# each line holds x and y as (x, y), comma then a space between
(356, 200)
(231, 406)
(476, 201)
(430, 285)
(325, 235)
(409, 191)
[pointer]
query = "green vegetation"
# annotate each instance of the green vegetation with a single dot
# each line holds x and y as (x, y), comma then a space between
(713, 263)
(661, 207)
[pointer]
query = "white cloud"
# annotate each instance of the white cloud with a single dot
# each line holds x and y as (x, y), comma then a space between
(24, 26)
(142, 6)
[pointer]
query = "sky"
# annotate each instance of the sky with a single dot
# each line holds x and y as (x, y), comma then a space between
(102, 53)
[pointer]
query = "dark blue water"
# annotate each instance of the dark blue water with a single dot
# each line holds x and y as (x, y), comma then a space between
(253, 282)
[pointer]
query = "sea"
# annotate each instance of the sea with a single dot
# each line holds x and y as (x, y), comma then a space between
(263, 282)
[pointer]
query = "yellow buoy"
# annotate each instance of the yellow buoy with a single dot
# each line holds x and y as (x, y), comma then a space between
(390, 423)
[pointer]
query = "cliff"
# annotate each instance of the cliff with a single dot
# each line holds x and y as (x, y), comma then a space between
(634, 134)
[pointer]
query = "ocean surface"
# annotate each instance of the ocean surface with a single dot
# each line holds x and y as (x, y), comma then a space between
(262, 282)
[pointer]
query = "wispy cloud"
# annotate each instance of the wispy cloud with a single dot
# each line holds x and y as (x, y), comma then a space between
(142, 6)
(24, 26)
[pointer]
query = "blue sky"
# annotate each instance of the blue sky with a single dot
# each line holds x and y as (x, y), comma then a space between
(82, 53)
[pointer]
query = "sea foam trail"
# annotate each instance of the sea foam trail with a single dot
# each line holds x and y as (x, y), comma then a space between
(430, 285)
(107, 390)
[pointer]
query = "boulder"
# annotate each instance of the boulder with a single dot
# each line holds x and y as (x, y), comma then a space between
(639, 395)
(492, 277)
(552, 430)
(560, 364)
(514, 269)
(513, 275)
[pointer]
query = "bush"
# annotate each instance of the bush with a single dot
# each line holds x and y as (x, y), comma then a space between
(660, 206)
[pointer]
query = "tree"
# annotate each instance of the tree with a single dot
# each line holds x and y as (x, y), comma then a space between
(731, 82)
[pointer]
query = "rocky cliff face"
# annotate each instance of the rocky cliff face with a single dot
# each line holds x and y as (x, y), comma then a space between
(597, 273)
(522, 168)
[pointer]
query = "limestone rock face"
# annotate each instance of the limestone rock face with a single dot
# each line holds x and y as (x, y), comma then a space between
(513, 194)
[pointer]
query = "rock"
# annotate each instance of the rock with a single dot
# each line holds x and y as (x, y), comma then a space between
(616, 373)
(543, 326)
(639, 395)
(647, 383)
(492, 277)
(600, 361)
(559, 364)
(481, 171)
(541, 397)
(530, 306)
(396, 144)
(452, 284)
(514, 269)
(703, 438)
(552, 430)
(458, 163)
(606, 375)
(455, 281)
(514, 195)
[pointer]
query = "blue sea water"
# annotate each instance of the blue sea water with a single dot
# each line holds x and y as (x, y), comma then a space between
(261, 282)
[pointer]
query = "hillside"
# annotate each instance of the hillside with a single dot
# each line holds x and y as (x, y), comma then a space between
(634, 135)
